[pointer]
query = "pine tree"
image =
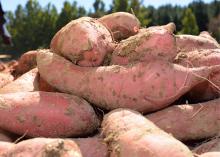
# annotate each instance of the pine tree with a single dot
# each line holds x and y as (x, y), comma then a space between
(189, 24)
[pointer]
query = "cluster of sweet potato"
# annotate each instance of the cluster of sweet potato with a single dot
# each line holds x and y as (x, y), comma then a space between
(107, 87)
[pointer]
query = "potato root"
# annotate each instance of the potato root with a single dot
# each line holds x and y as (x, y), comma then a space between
(46, 114)
(121, 24)
(84, 41)
(112, 87)
(129, 134)
(189, 122)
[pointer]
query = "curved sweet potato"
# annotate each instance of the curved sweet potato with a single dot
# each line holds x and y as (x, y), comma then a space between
(149, 44)
(121, 24)
(28, 82)
(210, 146)
(189, 122)
(92, 147)
(129, 134)
(143, 87)
(84, 41)
(186, 43)
(44, 147)
(26, 62)
(209, 89)
(46, 114)
(25, 83)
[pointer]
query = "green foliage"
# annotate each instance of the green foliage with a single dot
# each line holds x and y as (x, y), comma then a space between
(33, 26)
(189, 23)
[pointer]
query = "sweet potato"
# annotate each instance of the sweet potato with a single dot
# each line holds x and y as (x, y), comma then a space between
(28, 82)
(210, 146)
(189, 122)
(155, 42)
(26, 62)
(92, 147)
(46, 114)
(129, 134)
(5, 78)
(84, 41)
(44, 147)
(171, 27)
(208, 36)
(210, 154)
(143, 87)
(5, 146)
(186, 43)
(209, 89)
(25, 83)
(121, 24)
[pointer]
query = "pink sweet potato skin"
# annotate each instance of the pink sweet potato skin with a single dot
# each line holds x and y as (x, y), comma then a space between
(207, 90)
(5, 78)
(148, 45)
(111, 87)
(189, 122)
(5, 146)
(121, 24)
(84, 41)
(28, 82)
(210, 146)
(44, 147)
(186, 43)
(25, 83)
(46, 114)
(26, 62)
(92, 147)
(129, 134)
(210, 154)
(206, 35)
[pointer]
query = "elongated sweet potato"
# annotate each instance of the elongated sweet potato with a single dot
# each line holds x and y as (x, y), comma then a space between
(92, 147)
(129, 134)
(44, 147)
(5, 146)
(46, 114)
(210, 154)
(5, 78)
(84, 41)
(186, 43)
(149, 44)
(210, 146)
(189, 122)
(26, 62)
(209, 89)
(143, 87)
(25, 83)
(121, 24)
(28, 82)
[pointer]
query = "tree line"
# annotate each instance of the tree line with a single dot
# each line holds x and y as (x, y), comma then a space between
(33, 26)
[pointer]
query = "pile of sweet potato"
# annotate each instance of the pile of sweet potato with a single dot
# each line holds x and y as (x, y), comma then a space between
(109, 88)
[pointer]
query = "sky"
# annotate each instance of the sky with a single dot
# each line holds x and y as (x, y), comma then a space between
(10, 5)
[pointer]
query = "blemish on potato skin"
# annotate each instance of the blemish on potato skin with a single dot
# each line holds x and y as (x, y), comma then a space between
(69, 111)
(134, 78)
(36, 121)
(21, 118)
(100, 78)
(113, 93)
(125, 96)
